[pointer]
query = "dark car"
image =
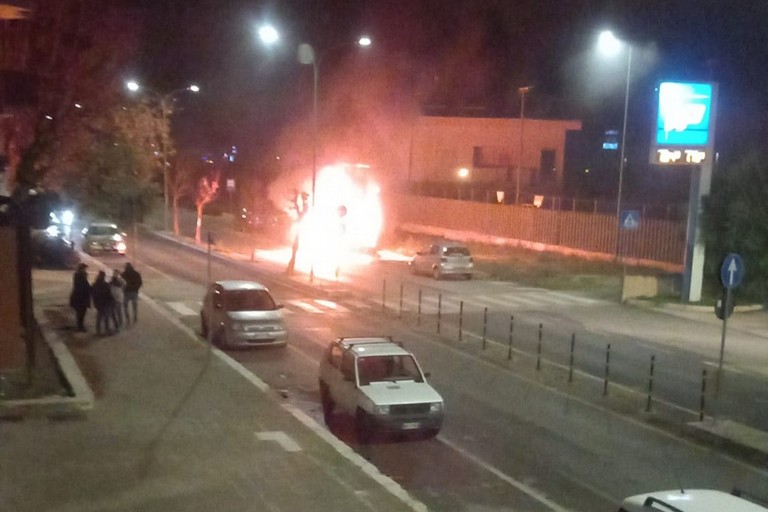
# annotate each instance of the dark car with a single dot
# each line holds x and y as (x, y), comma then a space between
(50, 248)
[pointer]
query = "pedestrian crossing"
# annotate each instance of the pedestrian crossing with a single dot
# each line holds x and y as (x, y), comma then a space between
(430, 303)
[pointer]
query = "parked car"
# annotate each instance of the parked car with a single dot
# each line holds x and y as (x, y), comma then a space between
(379, 384)
(689, 500)
(51, 248)
(103, 237)
(444, 258)
(238, 314)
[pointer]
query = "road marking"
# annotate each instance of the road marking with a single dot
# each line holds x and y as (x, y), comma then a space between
(182, 309)
(305, 306)
(332, 305)
(574, 298)
(527, 489)
(281, 438)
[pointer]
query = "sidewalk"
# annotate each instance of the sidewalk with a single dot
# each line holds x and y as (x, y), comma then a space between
(162, 422)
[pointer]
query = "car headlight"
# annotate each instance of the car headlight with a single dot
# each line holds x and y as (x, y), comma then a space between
(121, 246)
(381, 409)
(436, 407)
(117, 238)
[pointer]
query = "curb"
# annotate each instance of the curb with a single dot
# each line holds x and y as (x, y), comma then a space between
(81, 397)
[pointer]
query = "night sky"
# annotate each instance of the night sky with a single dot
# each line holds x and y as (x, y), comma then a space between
(449, 58)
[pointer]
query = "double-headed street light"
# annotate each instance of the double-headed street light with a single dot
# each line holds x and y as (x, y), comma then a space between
(164, 100)
(523, 91)
(609, 45)
(308, 55)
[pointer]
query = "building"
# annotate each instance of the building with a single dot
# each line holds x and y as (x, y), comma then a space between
(492, 151)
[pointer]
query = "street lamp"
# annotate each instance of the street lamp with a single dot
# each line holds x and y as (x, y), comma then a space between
(522, 91)
(308, 55)
(609, 45)
(164, 100)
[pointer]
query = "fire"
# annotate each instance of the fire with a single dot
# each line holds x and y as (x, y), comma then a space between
(343, 225)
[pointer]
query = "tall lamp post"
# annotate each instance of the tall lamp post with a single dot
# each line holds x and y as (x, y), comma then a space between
(308, 55)
(522, 91)
(609, 45)
(164, 100)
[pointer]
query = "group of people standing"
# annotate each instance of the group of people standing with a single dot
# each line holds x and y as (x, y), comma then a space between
(114, 299)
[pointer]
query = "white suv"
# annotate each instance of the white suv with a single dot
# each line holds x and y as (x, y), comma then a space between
(378, 383)
(688, 500)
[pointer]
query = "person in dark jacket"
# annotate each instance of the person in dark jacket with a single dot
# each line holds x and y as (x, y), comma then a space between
(80, 298)
(131, 292)
(103, 301)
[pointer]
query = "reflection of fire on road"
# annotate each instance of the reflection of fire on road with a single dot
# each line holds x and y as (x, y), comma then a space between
(345, 221)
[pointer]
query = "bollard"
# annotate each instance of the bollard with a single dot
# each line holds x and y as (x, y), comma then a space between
(439, 310)
(607, 366)
(383, 295)
(703, 393)
(538, 347)
(418, 314)
(650, 385)
(511, 330)
(461, 317)
(570, 360)
(485, 324)
(400, 311)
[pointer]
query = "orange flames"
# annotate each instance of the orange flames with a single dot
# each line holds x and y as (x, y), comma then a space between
(343, 225)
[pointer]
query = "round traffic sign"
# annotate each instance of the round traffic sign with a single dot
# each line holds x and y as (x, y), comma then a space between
(732, 271)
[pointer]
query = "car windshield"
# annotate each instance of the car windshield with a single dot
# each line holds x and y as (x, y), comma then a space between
(387, 368)
(248, 300)
(102, 230)
(455, 251)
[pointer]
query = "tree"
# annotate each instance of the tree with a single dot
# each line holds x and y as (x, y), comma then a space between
(207, 190)
(735, 219)
(181, 179)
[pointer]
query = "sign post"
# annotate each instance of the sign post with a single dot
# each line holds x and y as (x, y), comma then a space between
(629, 220)
(731, 274)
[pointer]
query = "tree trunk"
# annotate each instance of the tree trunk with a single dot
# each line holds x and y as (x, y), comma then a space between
(199, 222)
(176, 215)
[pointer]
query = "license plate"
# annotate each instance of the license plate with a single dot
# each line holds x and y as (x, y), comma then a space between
(411, 425)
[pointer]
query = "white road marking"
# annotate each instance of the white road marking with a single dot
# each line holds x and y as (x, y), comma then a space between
(526, 489)
(332, 305)
(281, 438)
(305, 306)
(182, 309)
(575, 298)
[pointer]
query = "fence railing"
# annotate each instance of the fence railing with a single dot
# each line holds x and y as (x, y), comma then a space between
(654, 240)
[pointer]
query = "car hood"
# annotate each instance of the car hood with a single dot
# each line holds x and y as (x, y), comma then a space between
(400, 392)
(250, 316)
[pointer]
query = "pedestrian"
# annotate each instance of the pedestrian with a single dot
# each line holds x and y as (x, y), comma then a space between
(80, 298)
(131, 293)
(117, 287)
(103, 302)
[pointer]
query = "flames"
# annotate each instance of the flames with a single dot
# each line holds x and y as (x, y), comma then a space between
(343, 225)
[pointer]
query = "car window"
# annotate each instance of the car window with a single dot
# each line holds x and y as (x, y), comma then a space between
(387, 368)
(455, 251)
(102, 230)
(248, 300)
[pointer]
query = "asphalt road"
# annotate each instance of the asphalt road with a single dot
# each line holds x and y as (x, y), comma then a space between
(511, 440)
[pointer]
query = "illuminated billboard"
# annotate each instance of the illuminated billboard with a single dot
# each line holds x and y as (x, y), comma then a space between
(685, 123)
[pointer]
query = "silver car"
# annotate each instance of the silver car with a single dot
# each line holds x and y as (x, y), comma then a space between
(442, 259)
(103, 237)
(239, 314)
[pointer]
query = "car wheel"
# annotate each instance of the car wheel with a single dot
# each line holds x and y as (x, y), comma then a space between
(430, 433)
(363, 427)
(203, 326)
(436, 274)
(219, 339)
(326, 401)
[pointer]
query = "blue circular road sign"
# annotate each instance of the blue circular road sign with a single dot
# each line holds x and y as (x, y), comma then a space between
(732, 271)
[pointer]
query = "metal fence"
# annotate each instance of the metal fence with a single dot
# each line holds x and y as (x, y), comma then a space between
(654, 240)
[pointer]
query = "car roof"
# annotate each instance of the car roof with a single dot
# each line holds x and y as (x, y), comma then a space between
(690, 500)
(103, 224)
(373, 346)
(236, 284)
